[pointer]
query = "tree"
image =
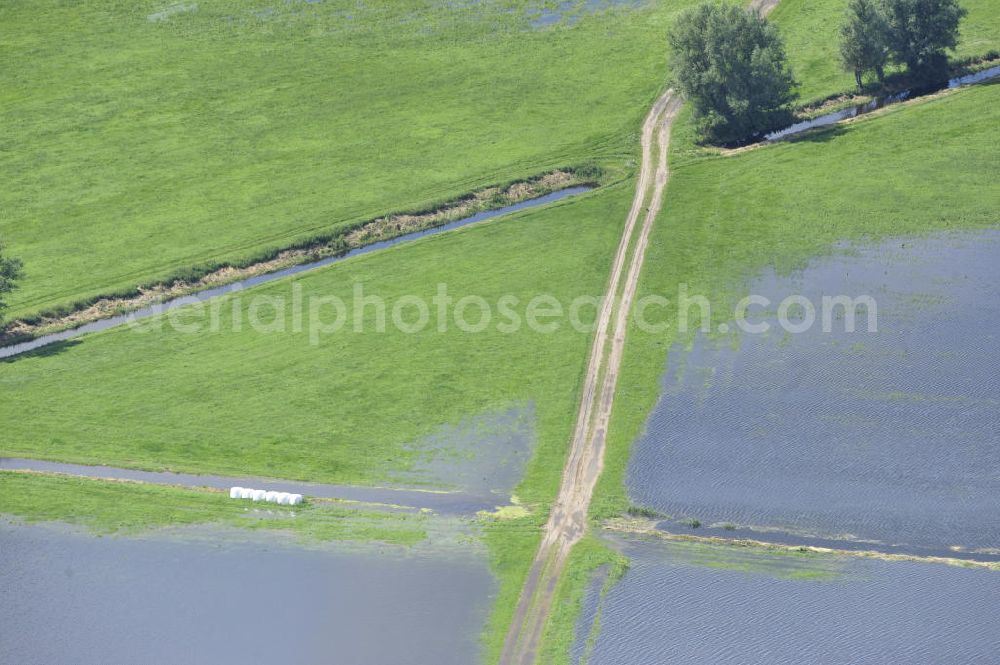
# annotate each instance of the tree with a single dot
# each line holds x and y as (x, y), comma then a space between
(10, 272)
(730, 63)
(864, 40)
(919, 32)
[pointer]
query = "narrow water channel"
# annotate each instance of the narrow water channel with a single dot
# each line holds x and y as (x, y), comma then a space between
(207, 294)
(881, 102)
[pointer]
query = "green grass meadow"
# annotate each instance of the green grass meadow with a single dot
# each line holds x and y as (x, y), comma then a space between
(343, 410)
(145, 138)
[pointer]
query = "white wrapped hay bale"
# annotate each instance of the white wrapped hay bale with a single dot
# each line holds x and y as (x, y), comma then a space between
(295, 499)
(271, 496)
(258, 495)
(246, 493)
(235, 492)
(284, 498)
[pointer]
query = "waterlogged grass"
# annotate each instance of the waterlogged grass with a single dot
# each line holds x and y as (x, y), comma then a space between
(791, 565)
(587, 558)
(107, 507)
(919, 168)
(786, 564)
(146, 138)
(811, 32)
(353, 407)
(511, 545)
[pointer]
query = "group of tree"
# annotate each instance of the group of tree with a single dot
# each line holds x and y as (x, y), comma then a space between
(915, 33)
(730, 64)
(10, 271)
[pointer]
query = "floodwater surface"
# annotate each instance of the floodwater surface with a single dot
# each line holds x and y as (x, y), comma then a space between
(890, 437)
(568, 12)
(482, 455)
(71, 598)
(682, 603)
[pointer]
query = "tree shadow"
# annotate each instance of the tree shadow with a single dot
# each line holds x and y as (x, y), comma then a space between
(50, 349)
(819, 134)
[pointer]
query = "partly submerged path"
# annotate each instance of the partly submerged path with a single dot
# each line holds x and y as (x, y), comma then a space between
(568, 520)
(448, 503)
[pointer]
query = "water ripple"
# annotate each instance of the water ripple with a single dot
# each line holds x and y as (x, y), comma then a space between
(890, 436)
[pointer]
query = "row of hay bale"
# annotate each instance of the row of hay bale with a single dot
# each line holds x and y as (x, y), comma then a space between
(284, 498)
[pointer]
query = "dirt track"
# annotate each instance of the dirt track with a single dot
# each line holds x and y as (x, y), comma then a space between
(568, 520)
(764, 6)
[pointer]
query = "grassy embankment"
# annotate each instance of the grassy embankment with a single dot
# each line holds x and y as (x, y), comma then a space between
(124, 507)
(919, 168)
(150, 138)
(811, 32)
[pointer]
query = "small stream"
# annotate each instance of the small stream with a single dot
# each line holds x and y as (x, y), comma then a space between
(207, 294)
(880, 102)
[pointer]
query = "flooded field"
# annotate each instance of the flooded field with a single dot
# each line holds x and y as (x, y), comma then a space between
(482, 455)
(888, 437)
(214, 597)
(685, 603)
(568, 12)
